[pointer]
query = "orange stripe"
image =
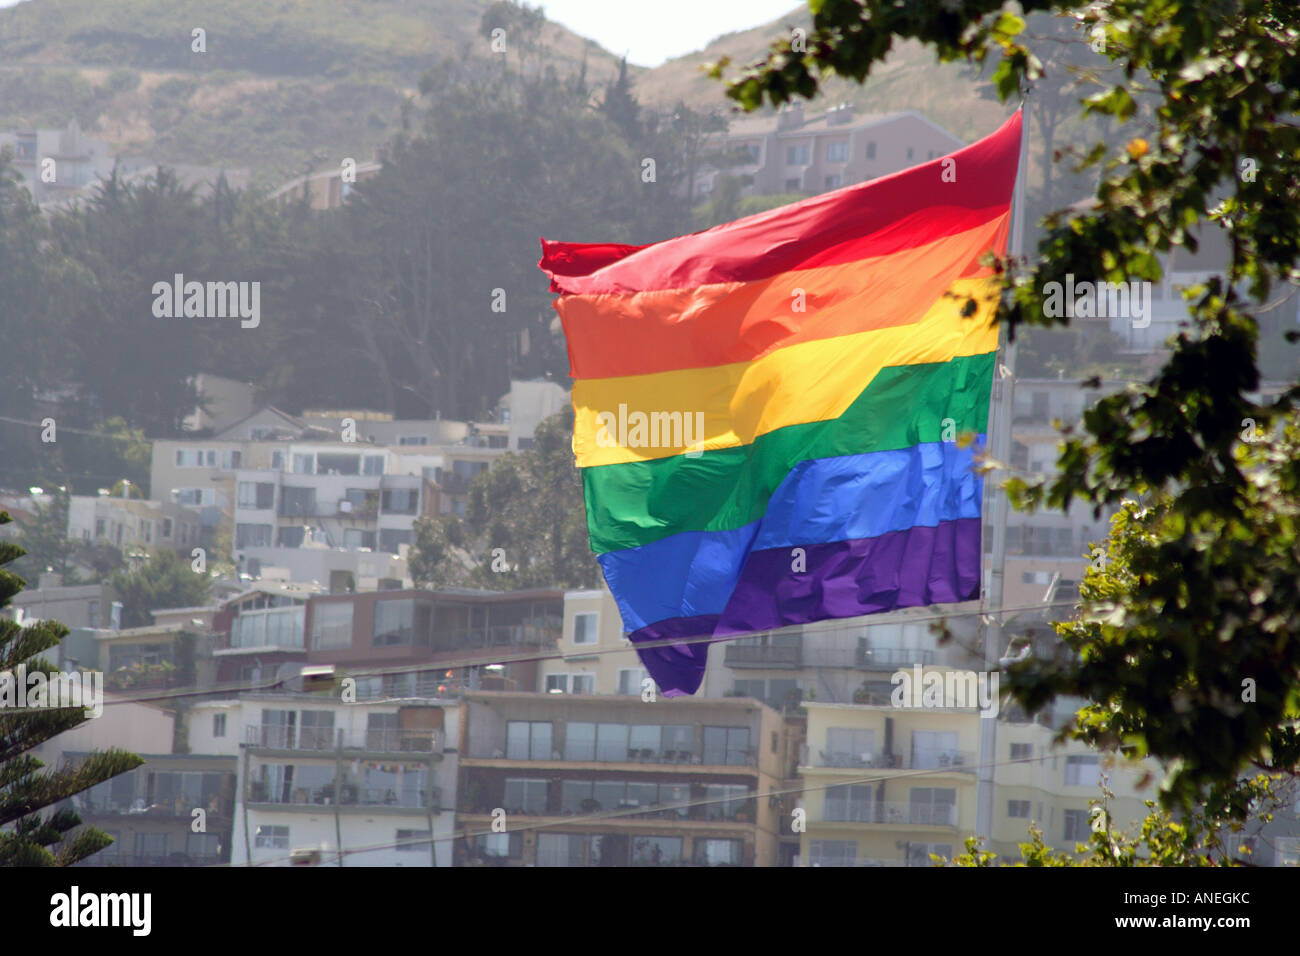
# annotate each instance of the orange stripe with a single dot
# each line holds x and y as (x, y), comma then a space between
(639, 333)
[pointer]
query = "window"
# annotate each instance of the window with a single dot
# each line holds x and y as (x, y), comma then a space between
(579, 741)
(871, 149)
(413, 841)
(256, 494)
(354, 539)
(391, 540)
(195, 458)
(1076, 824)
(297, 502)
(167, 527)
(584, 683)
(833, 852)
(933, 748)
(404, 622)
(910, 151)
(719, 852)
(277, 461)
(792, 185)
(565, 849)
(525, 796)
(338, 464)
(317, 730)
(933, 806)
(1017, 808)
(372, 464)
(850, 803)
(218, 725)
(402, 501)
(849, 747)
(304, 464)
(412, 439)
(798, 155)
(203, 846)
(272, 838)
(331, 625)
(1082, 771)
(252, 536)
(150, 845)
(1022, 751)
(99, 527)
(499, 845)
(291, 537)
(611, 742)
(656, 850)
(557, 683)
(528, 739)
(726, 745)
(834, 181)
(585, 627)
(196, 497)
(918, 854)
(837, 152)
(631, 680)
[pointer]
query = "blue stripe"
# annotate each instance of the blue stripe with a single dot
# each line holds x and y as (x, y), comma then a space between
(819, 502)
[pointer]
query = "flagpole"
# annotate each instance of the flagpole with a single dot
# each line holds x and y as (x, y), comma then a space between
(1000, 447)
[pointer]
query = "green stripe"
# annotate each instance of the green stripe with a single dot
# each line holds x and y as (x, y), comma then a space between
(637, 502)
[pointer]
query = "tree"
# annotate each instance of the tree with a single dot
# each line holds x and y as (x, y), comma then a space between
(165, 580)
(1205, 98)
(45, 540)
(525, 525)
(32, 838)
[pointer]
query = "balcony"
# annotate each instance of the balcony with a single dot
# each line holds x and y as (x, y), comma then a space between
(960, 761)
(349, 795)
(870, 658)
(738, 758)
(327, 739)
(764, 655)
(899, 814)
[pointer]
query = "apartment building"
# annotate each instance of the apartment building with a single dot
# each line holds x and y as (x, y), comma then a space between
(178, 653)
(618, 781)
(132, 524)
(596, 657)
(429, 643)
(887, 786)
(795, 152)
(173, 810)
(56, 163)
(376, 779)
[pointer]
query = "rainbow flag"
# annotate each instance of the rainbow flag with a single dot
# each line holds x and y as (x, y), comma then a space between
(767, 412)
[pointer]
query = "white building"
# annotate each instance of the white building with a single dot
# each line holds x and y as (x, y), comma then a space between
(377, 778)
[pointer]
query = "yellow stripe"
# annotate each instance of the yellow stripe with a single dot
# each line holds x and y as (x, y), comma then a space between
(625, 419)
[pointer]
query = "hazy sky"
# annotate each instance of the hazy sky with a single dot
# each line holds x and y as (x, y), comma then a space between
(649, 31)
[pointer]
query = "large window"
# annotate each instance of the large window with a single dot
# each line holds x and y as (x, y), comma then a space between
(727, 801)
(719, 852)
(525, 796)
(837, 152)
(933, 748)
(849, 803)
(1076, 824)
(391, 539)
(528, 740)
(798, 155)
(272, 627)
(849, 747)
(331, 625)
(401, 501)
(272, 838)
(256, 494)
(338, 464)
(564, 849)
(656, 851)
(413, 841)
(933, 806)
(726, 745)
(579, 741)
(252, 536)
(611, 742)
(585, 627)
(832, 852)
(297, 502)
(402, 622)
(1082, 771)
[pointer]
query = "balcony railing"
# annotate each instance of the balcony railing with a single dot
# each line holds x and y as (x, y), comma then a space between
(959, 760)
(916, 814)
(328, 739)
(349, 795)
(736, 758)
(884, 658)
(763, 655)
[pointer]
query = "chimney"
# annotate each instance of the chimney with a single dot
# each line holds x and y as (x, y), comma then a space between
(790, 117)
(839, 115)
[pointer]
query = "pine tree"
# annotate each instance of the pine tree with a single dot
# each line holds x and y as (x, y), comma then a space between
(29, 837)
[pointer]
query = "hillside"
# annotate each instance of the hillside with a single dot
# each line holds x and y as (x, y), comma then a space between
(910, 79)
(283, 84)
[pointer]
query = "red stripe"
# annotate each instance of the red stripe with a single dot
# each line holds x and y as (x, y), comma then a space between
(841, 226)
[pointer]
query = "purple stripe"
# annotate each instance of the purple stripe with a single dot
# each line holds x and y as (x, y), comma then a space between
(913, 568)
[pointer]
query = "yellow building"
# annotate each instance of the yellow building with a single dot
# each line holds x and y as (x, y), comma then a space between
(887, 786)
(597, 658)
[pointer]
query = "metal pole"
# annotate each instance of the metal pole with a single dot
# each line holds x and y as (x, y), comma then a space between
(1000, 446)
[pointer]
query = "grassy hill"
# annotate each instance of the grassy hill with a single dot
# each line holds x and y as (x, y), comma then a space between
(283, 84)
